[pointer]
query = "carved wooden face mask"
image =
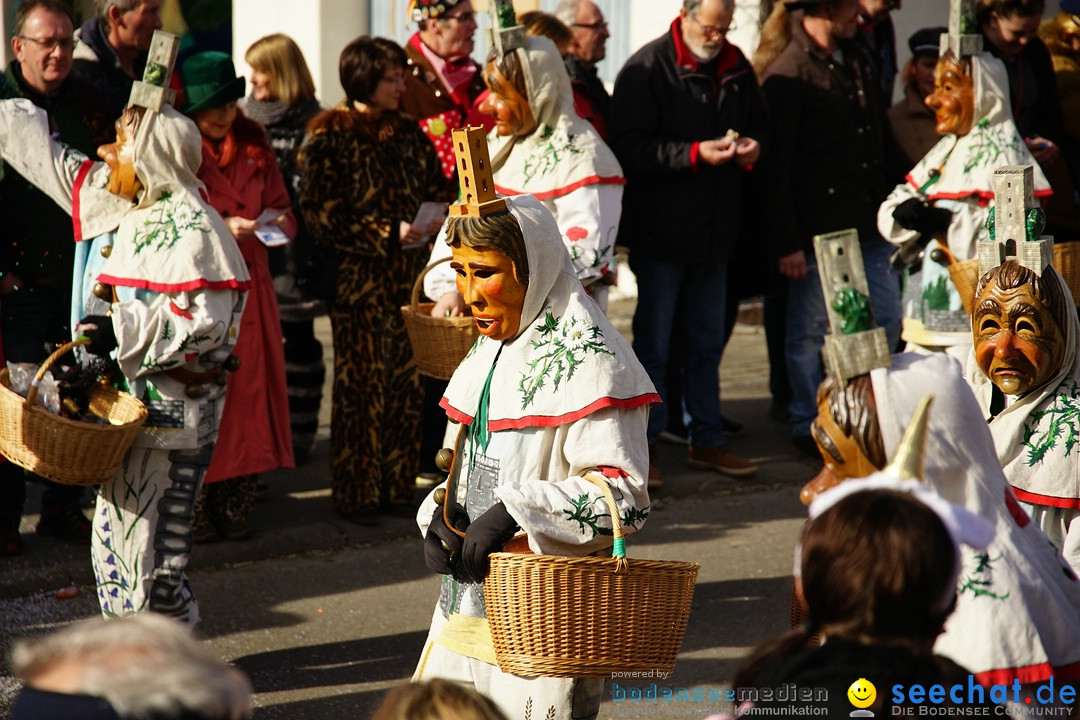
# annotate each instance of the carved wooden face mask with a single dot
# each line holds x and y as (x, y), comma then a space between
(119, 156)
(953, 99)
(841, 453)
(490, 287)
(1018, 344)
(508, 104)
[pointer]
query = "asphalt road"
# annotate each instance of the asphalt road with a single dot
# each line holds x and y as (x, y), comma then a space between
(325, 615)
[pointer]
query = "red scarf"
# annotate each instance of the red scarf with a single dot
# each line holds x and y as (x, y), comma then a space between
(224, 152)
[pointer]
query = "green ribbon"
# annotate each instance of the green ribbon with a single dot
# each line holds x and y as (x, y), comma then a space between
(478, 431)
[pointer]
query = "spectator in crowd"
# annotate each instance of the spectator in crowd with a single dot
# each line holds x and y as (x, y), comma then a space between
(911, 118)
(877, 42)
(139, 667)
(827, 171)
(113, 47)
(1010, 29)
(36, 254)
(282, 100)
(1062, 37)
(366, 168)
(442, 83)
(579, 179)
(436, 700)
(243, 183)
(679, 151)
(586, 49)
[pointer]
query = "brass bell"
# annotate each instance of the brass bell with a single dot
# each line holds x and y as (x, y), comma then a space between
(439, 495)
(106, 251)
(444, 459)
(103, 292)
(232, 363)
(195, 390)
(221, 378)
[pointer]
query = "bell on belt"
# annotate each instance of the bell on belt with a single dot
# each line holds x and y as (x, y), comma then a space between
(103, 292)
(195, 390)
(232, 363)
(221, 378)
(106, 251)
(444, 459)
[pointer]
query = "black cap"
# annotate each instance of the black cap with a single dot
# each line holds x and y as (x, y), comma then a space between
(925, 42)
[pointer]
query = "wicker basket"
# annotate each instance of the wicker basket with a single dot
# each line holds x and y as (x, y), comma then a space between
(587, 617)
(1067, 262)
(965, 276)
(439, 343)
(66, 451)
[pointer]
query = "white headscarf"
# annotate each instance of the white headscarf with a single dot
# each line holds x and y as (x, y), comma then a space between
(967, 163)
(564, 152)
(567, 359)
(1018, 604)
(1032, 435)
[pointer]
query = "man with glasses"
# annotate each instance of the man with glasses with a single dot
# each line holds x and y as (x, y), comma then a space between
(36, 253)
(590, 33)
(831, 163)
(113, 47)
(1010, 29)
(442, 83)
(685, 120)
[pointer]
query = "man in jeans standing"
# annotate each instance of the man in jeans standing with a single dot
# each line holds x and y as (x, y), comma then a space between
(685, 120)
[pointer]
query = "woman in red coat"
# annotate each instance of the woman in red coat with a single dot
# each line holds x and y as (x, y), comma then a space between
(246, 187)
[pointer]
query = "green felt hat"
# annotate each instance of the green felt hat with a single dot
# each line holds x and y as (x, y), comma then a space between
(210, 81)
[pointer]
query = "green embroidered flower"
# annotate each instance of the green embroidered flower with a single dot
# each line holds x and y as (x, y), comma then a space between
(552, 148)
(562, 348)
(583, 512)
(168, 219)
(1061, 424)
(988, 144)
(979, 579)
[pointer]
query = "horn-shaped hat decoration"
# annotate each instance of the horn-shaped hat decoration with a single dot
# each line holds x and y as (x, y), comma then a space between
(909, 461)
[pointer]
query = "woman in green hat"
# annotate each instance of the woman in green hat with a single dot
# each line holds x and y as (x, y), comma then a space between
(245, 185)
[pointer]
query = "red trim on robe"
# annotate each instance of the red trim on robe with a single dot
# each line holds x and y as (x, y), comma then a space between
(609, 471)
(177, 310)
(76, 192)
(984, 196)
(231, 284)
(551, 420)
(1036, 499)
(1028, 674)
(1019, 515)
(567, 189)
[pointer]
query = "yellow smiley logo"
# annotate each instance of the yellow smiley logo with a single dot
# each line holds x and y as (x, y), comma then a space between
(862, 693)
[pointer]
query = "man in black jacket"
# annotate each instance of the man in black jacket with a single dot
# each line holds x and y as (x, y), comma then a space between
(685, 120)
(36, 253)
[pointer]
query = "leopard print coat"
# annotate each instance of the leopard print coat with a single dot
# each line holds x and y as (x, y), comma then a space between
(362, 174)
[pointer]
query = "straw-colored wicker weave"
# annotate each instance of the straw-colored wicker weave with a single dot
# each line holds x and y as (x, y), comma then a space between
(587, 617)
(70, 452)
(439, 343)
(965, 276)
(1067, 262)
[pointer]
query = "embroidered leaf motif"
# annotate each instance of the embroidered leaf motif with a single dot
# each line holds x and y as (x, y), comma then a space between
(988, 146)
(1045, 428)
(552, 148)
(979, 579)
(585, 515)
(169, 218)
(563, 346)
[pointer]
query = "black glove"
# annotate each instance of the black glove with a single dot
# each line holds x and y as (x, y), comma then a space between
(922, 217)
(487, 534)
(437, 557)
(98, 329)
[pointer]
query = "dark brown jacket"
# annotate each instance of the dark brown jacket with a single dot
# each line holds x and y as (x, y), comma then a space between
(914, 125)
(827, 168)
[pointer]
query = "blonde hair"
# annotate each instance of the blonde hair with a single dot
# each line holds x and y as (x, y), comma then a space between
(541, 23)
(436, 700)
(280, 57)
(775, 36)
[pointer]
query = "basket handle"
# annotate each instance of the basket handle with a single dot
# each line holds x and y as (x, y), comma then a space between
(420, 281)
(32, 393)
(618, 545)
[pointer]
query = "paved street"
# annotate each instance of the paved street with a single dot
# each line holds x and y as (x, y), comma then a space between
(325, 615)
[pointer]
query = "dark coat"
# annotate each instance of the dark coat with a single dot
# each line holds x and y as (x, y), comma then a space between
(96, 63)
(1033, 91)
(662, 107)
(827, 167)
(914, 125)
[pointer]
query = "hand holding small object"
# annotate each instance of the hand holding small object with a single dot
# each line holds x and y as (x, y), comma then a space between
(98, 329)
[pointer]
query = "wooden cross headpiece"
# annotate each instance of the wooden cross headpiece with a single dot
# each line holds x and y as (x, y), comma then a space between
(474, 175)
(854, 346)
(153, 90)
(1015, 223)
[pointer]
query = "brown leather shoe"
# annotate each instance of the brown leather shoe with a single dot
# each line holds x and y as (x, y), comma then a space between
(656, 478)
(721, 459)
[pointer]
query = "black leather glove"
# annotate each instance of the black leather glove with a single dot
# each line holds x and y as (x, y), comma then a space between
(921, 216)
(436, 556)
(98, 329)
(487, 534)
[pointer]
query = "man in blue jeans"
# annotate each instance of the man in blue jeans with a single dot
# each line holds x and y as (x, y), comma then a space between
(684, 121)
(832, 162)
